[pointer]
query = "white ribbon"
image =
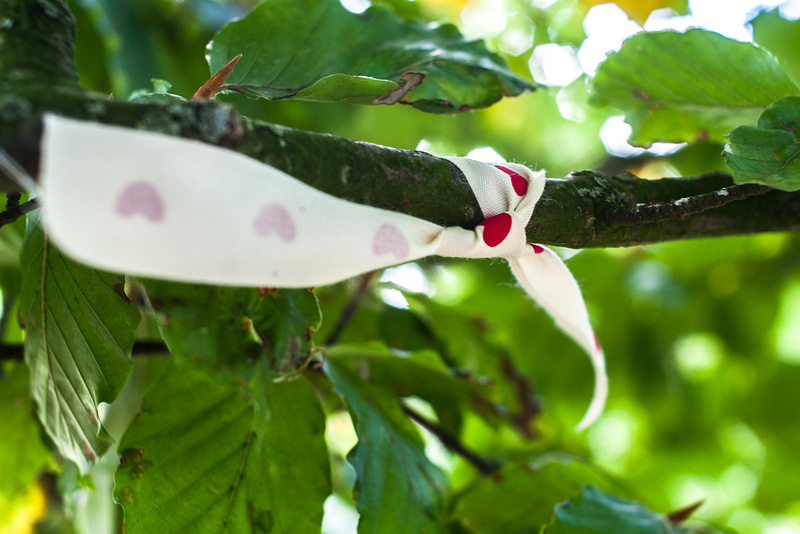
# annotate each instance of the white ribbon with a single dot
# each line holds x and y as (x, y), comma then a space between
(160, 206)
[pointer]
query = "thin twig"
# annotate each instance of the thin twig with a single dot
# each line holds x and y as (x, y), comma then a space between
(484, 465)
(150, 348)
(15, 212)
(350, 308)
(16, 352)
(529, 407)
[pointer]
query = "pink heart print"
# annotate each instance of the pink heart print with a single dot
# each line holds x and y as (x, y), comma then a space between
(275, 219)
(389, 240)
(141, 198)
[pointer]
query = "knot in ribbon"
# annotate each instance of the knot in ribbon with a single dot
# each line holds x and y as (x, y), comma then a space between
(155, 205)
(507, 195)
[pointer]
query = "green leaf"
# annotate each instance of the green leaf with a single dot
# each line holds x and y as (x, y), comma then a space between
(315, 50)
(522, 494)
(688, 86)
(159, 94)
(80, 331)
(344, 88)
(781, 37)
(767, 154)
(196, 460)
(398, 490)
(463, 342)
(22, 453)
(233, 326)
(595, 512)
(420, 374)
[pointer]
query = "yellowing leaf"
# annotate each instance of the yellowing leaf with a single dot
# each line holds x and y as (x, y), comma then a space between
(21, 515)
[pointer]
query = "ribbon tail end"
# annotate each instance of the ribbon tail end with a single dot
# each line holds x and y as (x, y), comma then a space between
(598, 403)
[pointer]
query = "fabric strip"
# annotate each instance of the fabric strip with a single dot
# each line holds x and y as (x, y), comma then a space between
(153, 205)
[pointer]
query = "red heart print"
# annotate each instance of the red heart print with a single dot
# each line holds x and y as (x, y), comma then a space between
(275, 219)
(537, 249)
(518, 182)
(496, 228)
(141, 197)
(389, 240)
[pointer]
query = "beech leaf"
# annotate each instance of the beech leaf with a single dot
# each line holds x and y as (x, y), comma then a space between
(686, 86)
(80, 330)
(317, 50)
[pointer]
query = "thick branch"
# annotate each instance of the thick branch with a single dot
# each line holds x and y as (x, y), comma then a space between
(585, 210)
(37, 45)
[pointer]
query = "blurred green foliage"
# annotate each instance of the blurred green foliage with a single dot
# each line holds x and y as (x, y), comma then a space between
(702, 337)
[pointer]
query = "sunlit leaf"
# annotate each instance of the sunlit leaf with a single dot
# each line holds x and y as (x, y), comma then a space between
(196, 460)
(600, 513)
(80, 330)
(688, 86)
(781, 37)
(398, 490)
(767, 154)
(315, 50)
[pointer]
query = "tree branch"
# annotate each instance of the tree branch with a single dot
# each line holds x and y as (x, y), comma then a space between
(38, 45)
(585, 210)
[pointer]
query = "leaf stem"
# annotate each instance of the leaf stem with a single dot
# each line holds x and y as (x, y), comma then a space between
(350, 308)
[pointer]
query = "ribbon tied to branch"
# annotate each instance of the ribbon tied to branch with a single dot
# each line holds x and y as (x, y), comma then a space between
(154, 205)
